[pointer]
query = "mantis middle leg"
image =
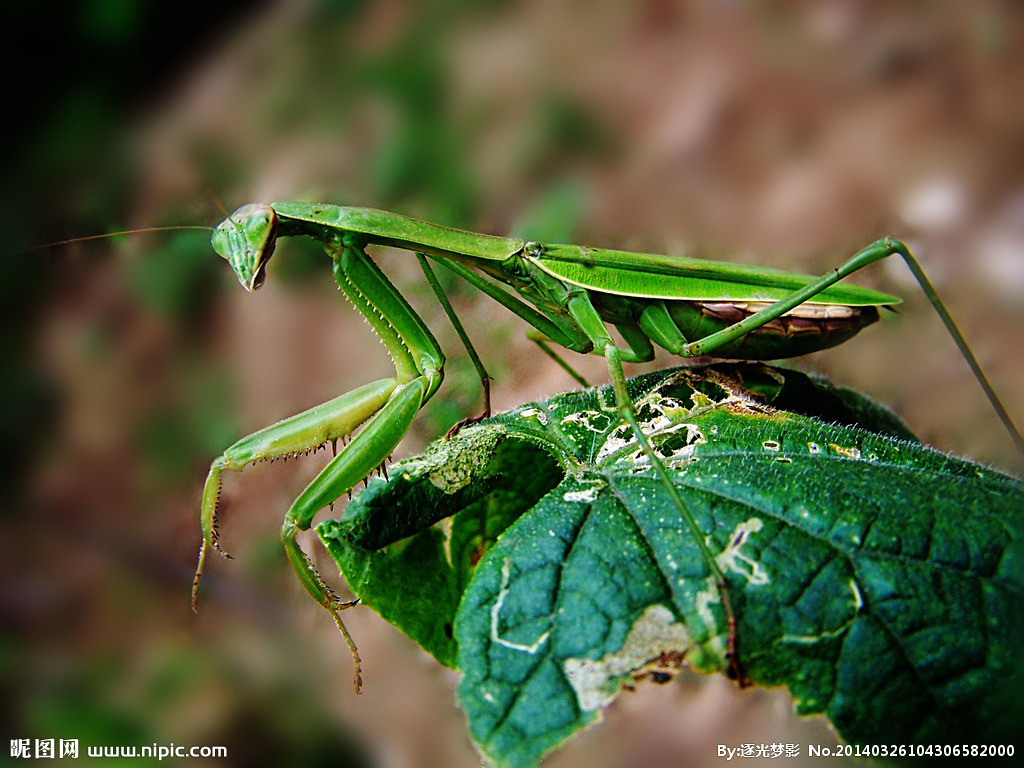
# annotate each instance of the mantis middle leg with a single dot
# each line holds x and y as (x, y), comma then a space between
(590, 322)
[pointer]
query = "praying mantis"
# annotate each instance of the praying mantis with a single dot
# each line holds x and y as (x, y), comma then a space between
(570, 295)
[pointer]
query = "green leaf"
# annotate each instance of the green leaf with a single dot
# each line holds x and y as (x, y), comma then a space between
(411, 581)
(878, 579)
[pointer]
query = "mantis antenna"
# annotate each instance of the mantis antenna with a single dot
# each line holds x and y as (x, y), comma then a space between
(106, 235)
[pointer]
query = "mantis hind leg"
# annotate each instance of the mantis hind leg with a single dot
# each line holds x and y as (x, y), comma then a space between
(481, 372)
(875, 252)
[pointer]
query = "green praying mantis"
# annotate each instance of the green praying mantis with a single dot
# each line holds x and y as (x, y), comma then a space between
(570, 295)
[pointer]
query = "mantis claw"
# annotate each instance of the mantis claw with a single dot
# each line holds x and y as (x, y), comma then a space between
(324, 594)
(221, 552)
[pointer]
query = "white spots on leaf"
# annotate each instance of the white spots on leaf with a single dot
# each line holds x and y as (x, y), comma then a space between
(847, 451)
(451, 465)
(591, 420)
(534, 413)
(623, 438)
(733, 559)
(813, 448)
(615, 443)
(506, 571)
(665, 412)
(585, 494)
(858, 599)
(654, 634)
(702, 604)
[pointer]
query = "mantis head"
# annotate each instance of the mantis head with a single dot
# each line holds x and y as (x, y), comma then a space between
(247, 239)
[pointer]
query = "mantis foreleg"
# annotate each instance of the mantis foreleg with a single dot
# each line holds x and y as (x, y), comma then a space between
(367, 450)
(296, 435)
(388, 408)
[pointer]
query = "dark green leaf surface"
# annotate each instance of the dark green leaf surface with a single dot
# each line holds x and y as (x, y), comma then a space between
(880, 580)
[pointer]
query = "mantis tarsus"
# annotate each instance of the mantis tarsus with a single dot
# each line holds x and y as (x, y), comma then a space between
(687, 306)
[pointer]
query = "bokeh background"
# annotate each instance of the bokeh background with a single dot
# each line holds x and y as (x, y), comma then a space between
(785, 134)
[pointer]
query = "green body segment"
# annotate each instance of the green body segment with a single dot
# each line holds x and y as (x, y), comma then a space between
(313, 427)
(384, 228)
(367, 450)
(295, 435)
(653, 276)
(772, 341)
(687, 306)
(411, 345)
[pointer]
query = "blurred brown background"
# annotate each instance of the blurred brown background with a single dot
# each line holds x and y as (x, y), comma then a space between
(786, 136)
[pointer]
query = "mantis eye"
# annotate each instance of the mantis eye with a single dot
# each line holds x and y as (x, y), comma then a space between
(257, 225)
